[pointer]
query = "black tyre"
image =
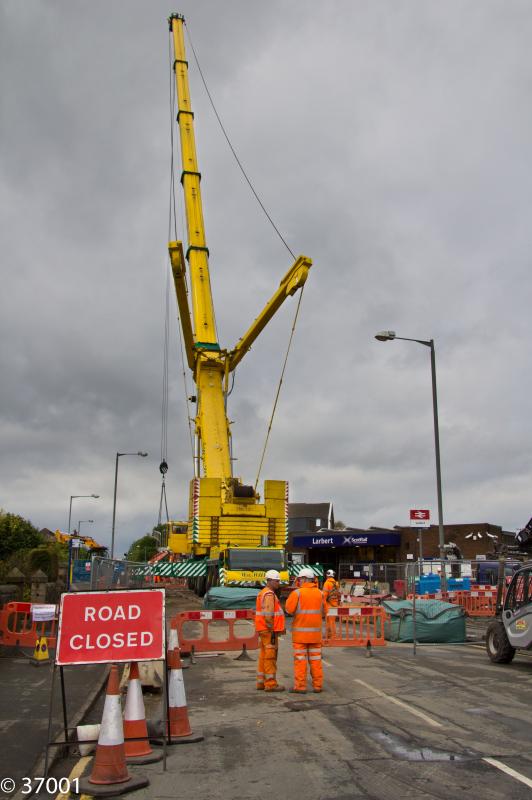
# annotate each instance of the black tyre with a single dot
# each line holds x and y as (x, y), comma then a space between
(499, 649)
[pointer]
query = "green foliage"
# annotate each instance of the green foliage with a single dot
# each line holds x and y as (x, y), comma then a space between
(16, 533)
(44, 558)
(143, 549)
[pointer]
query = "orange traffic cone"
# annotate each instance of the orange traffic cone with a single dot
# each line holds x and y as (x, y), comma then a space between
(179, 731)
(109, 768)
(135, 728)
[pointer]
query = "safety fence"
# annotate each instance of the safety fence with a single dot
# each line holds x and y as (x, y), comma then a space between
(476, 603)
(358, 626)
(216, 631)
(18, 628)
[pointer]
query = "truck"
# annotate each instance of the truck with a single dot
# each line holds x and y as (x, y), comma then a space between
(233, 536)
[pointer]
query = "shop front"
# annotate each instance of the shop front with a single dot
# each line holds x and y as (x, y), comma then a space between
(348, 552)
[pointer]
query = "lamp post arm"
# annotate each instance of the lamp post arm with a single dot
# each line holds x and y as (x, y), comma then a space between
(429, 343)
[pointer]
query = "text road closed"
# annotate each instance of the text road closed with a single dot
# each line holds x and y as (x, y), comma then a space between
(102, 627)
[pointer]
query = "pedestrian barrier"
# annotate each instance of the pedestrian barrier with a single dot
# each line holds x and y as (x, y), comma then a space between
(360, 626)
(474, 603)
(18, 629)
(216, 631)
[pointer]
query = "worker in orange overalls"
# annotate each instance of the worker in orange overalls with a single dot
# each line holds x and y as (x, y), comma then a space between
(306, 605)
(269, 622)
(331, 595)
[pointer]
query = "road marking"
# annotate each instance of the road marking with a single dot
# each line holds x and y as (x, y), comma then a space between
(509, 771)
(327, 663)
(397, 702)
(77, 769)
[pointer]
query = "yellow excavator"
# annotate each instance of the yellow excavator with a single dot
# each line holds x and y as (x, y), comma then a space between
(232, 538)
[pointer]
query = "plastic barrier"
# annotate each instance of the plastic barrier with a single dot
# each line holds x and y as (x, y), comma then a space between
(212, 637)
(480, 604)
(17, 629)
(360, 626)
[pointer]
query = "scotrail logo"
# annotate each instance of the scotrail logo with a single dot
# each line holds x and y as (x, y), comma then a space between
(349, 540)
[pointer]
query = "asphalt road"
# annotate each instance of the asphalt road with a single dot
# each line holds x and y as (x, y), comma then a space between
(388, 727)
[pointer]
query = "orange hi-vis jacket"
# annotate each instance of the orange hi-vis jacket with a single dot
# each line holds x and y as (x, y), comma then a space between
(331, 592)
(306, 604)
(269, 616)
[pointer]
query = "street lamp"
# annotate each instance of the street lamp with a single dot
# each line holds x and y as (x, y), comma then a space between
(73, 497)
(387, 336)
(142, 455)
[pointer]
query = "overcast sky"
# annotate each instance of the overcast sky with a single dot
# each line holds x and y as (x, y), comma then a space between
(391, 141)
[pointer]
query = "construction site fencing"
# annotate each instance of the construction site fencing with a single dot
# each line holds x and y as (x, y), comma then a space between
(108, 574)
(216, 631)
(18, 628)
(361, 626)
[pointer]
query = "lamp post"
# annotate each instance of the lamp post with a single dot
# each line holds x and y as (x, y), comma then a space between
(83, 520)
(73, 497)
(118, 455)
(387, 336)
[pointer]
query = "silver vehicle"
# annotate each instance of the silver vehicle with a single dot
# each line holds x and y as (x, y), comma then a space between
(512, 630)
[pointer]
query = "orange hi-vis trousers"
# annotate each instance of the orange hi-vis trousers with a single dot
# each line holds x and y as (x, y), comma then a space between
(267, 663)
(331, 621)
(311, 653)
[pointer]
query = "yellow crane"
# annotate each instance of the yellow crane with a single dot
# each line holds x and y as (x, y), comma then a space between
(237, 537)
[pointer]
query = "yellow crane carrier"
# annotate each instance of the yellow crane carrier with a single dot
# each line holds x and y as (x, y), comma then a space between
(236, 536)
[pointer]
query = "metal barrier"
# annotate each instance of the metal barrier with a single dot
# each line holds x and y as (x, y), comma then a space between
(201, 631)
(361, 626)
(17, 629)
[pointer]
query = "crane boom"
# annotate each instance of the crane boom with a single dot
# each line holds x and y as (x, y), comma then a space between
(223, 512)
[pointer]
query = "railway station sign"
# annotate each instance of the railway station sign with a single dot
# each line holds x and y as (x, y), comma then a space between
(347, 539)
(105, 627)
(419, 518)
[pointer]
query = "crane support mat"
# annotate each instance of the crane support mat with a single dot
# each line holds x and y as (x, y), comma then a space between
(224, 597)
(436, 622)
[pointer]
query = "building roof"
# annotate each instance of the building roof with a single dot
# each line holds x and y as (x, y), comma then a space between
(310, 510)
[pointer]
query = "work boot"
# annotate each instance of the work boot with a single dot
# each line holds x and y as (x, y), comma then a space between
(260, 686)
(297, 691)
(277, 688)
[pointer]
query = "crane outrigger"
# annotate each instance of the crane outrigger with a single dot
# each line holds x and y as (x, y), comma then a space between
(236, 536)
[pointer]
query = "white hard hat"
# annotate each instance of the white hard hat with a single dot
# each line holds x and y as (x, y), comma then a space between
(272, 575)
(331, 572)
(306, 573)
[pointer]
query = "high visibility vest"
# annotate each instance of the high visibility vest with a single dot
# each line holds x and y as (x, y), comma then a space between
(262, 617)
(306, 604)
(331, 591)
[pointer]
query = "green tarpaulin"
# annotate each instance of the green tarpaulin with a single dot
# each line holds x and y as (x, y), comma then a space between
(230, 597)
(436, 622)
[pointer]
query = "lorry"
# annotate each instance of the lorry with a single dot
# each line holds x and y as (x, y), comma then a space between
(233, 536)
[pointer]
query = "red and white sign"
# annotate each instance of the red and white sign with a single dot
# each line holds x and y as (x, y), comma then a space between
(109, 627)
(419, 518)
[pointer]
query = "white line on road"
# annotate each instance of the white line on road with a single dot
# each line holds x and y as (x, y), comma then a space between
(327, 663)
(509, 771)
(397, 702)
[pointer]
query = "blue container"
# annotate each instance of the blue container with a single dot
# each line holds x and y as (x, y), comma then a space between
(428, 584)
(459, 584)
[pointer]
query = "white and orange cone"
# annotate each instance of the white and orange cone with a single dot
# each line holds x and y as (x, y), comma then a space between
(109, 766)
(179, 730)
(135, 727)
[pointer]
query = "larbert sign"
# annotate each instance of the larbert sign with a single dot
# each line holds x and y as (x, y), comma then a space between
(103, 627)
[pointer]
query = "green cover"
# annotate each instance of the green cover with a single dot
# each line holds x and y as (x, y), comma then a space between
(436, 622)
(224, 597)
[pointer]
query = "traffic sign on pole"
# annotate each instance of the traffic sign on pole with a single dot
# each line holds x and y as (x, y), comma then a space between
(105, 627)
(419, 518)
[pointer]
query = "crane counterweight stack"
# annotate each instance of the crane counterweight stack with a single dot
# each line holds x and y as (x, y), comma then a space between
(238, 537)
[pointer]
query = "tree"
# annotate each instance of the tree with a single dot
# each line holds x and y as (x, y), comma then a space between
(143, 549)
(17, 533)
(339, 525)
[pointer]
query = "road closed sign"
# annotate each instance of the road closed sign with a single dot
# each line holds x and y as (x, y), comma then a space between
(105, 627)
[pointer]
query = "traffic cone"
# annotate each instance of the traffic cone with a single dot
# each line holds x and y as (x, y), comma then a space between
(135, 727)
(109, 768)
(179, 731)
(40, 654)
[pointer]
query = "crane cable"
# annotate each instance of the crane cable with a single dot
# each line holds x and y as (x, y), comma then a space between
(276, 229)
